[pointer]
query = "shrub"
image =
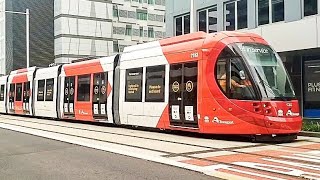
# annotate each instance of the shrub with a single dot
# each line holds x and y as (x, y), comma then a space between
(311, 125)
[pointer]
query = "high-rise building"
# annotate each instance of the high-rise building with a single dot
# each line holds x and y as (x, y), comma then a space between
(65, 30)
(95, 28)
(290, 26)
(13, 34)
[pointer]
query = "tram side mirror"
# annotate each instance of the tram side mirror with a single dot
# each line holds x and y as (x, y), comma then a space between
(242, 75)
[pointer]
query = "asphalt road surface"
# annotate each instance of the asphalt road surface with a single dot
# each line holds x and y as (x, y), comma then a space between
(24, 156)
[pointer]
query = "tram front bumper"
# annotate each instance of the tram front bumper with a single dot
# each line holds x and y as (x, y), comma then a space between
(279, 125)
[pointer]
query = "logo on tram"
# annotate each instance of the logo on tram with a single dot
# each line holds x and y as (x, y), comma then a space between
(218, 121)
(83, 112)
(290, 113)
(189, 86)
(96, 90)
(103, 89)
(71, 91)
(175, 86)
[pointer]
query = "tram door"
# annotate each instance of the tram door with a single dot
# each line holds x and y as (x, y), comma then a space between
(12, 91)
(69, 85)
(99, 102)
(183, 94)
(26, 97)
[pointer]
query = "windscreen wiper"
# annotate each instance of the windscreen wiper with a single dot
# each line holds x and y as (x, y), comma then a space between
(261, 81)
(264, 84)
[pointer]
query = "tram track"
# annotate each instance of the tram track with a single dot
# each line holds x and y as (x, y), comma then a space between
(169, 154)
(141, 137)
(147, 138)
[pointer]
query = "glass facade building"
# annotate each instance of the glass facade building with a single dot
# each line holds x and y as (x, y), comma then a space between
(64, 30)
(290, 26)
(13, 34)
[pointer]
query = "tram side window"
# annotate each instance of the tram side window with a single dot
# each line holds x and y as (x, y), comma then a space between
(40, 94)
(19, 92)
(2, 93)
(49, 89)
(134, 85)
(84, 88)
(155, 79)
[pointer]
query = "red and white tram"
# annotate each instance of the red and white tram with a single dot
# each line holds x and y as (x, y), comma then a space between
(221, 83)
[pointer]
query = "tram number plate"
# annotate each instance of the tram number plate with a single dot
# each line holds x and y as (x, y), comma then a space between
(103, 109)
(188, 113)
(96, 109)
(175, 112)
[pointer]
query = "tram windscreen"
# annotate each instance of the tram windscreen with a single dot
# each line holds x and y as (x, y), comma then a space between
(269, 70)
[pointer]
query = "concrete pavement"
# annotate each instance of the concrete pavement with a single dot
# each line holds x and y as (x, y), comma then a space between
(25, 156)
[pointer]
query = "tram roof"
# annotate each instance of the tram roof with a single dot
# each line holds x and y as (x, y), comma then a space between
(192, 41)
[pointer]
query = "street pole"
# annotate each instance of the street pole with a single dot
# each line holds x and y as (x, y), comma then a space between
(27, 14)
(28, 37)
(192, 16)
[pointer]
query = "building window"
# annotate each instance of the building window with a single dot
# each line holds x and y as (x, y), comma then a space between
(202, 20)
(40, 95)
(270, 11)
(84, 88)
(155, 79)
(123, 13)
(128, 30)
(236, 15)
(310, 7)
(150, 33)
(142, 15)
(134, 85)
(115, 11)
(115, 46)
(242, 14)
(49, 89)
(277, 10)
(182, 25)
(178, 26)
(207, 20)
(141, 31)
(186, 24)
(132, 14)
(151, 2)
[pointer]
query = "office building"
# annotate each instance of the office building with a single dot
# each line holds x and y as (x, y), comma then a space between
(13, 34)
(65, 30)
(97, 28)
